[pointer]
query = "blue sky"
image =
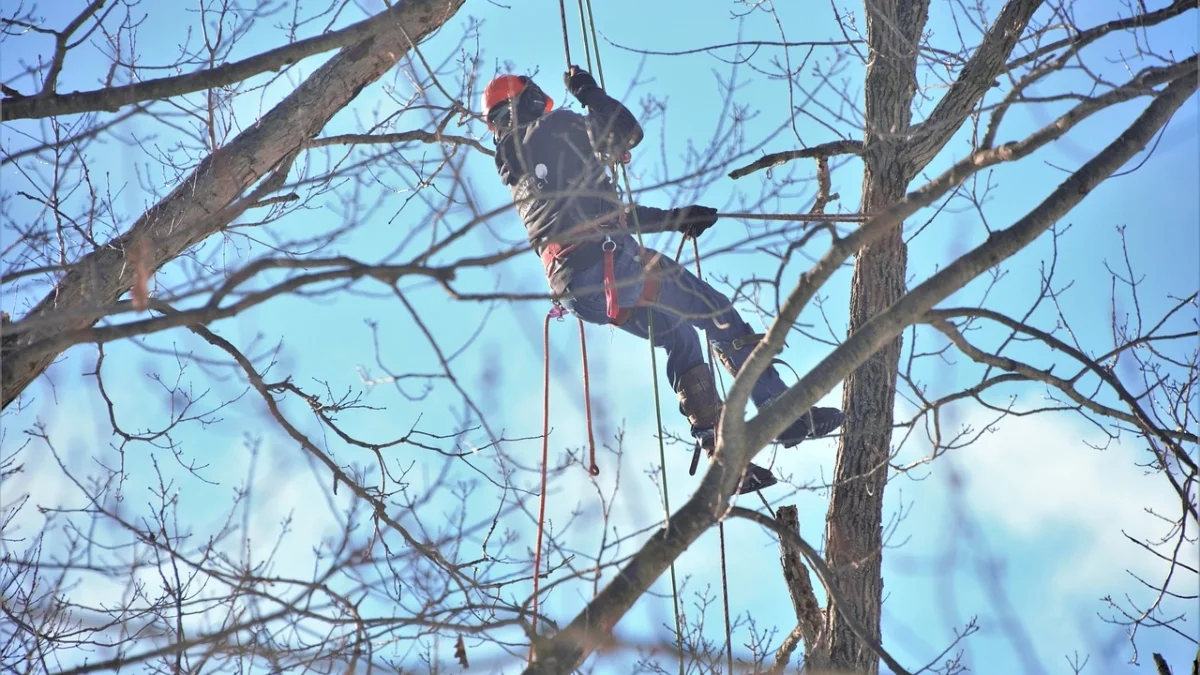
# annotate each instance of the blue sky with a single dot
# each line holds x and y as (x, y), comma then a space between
(1031, 493)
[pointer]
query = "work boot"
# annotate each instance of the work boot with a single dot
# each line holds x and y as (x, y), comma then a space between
(815, 423)
(698, 401)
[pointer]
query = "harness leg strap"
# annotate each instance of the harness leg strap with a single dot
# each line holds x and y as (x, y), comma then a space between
(612, 300)
(651, 289)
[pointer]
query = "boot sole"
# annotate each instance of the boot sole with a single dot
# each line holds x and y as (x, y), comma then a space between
(820, 431)
(761, 484)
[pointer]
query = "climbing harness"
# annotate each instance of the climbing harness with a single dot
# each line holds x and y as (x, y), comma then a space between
(555, 253)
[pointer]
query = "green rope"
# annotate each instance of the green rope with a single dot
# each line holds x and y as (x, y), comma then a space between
(587, 52)
(595, 42)
(712, 371)
(662, 451)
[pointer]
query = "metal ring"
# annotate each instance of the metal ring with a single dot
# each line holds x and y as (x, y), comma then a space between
(607, 243)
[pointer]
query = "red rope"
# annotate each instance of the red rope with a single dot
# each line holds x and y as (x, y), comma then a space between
(593, 468)
(537, 554)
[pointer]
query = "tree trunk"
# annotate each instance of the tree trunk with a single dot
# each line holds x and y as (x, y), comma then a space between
(854, 530)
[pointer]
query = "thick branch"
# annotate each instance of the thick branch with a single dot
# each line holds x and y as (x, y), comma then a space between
(113, 98)
(826, 150)
(1160, 665)
(973, 82)
(783, 655)
(200, 206)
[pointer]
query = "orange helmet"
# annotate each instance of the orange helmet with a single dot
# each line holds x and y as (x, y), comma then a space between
(507, 87)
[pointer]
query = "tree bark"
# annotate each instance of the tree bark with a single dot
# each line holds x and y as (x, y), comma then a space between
(854, 532)
(795, 574)
(210, 198)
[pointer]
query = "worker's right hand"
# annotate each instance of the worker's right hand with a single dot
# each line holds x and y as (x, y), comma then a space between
(695, 219)
(579, 82)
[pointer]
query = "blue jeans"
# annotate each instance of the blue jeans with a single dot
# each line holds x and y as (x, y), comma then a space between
(685, 303)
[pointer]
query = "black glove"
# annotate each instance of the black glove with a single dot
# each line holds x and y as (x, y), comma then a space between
(580, 83)
(694, 220)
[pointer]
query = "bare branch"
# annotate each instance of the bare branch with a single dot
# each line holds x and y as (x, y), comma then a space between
(825, 150)
(402, 137)
(1084, 38)
(999, 246)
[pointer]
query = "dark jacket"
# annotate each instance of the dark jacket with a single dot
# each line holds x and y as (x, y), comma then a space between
(561, 189)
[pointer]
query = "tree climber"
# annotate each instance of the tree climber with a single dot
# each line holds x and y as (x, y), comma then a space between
(574, 217)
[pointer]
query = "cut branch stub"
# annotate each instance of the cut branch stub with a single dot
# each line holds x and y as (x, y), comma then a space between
(809, 616)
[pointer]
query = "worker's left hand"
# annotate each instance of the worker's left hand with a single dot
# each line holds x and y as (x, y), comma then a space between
(579, 82)
(695, 219)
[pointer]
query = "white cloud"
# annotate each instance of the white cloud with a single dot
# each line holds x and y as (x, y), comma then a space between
(1036, 475)
(1055, 510)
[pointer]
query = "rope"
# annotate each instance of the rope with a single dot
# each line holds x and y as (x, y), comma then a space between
(802, 217)
(662, 452)
(537, 554)
(595, 42)
(557, 312)
(593, 468)
(725, 600)
(562, 10)
(587, 52)
(720, 524)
